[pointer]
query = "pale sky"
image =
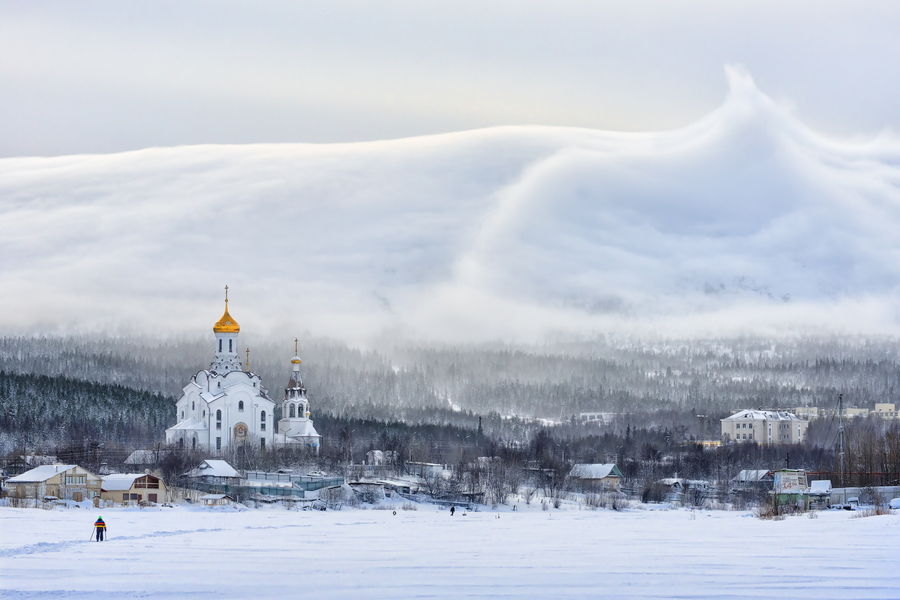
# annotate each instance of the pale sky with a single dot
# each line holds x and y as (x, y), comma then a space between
(100, 77)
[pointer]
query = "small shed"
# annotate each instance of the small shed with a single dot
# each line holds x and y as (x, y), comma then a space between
(217, 500)
(126, 488)
(605, 476)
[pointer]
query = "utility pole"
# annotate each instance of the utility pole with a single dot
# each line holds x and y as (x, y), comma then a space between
(841, 432)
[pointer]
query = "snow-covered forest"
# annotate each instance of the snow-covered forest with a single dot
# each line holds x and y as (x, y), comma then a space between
(119, 386)
(550, 382)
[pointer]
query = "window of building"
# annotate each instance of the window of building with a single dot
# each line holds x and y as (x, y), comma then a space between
(262, 443)
(292, 411)
(204, 413)
(194, 443)
(218, 419)
(193, 405)
(220, 345)
(241, 406)
(182, 414)
(218, 443)
(229, 346)
(124, 497)
(262, 421)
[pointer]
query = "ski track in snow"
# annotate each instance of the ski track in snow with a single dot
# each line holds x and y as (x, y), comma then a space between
(44, 547)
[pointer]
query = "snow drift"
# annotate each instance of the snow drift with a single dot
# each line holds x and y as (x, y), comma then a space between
(744, 222)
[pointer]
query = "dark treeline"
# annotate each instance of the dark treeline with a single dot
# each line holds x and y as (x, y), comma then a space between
(37, 411)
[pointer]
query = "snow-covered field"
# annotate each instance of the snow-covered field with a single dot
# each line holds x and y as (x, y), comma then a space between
(202, 553)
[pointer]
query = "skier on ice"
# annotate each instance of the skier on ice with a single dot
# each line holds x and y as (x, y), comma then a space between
(100, 527)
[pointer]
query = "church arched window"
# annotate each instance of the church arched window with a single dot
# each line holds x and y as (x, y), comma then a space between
(204, 414)
(229, 346)
(293, 413)
(262, 421)
(193, 406)
(218, 419)
(182, 414)
(241, 406)
(220, 344)
(194, 444)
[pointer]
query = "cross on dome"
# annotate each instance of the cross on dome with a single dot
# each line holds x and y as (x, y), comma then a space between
(226, 324)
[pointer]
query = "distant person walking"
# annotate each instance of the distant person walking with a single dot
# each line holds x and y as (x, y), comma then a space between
(452, 510)
(100, 528)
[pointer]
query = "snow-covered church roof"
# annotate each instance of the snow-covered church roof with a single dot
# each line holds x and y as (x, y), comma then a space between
(190, 424)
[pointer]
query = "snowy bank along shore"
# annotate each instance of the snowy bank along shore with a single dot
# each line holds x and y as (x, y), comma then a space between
(190, 551)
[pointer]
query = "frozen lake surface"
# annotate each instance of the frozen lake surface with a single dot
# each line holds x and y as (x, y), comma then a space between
(191, 552)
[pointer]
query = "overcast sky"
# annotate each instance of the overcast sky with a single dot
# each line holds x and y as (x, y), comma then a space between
(712, 169)
(99, 77)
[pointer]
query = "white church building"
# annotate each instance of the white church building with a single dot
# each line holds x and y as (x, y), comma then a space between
(227, 404)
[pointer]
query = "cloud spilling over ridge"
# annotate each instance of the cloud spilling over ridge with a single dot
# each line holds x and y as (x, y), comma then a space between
(744, 222)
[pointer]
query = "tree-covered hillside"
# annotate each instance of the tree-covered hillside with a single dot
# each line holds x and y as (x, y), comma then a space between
(36, 409)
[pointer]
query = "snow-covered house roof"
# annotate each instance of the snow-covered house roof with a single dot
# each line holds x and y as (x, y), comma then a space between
(39, 474)
(216, 497)
(671, 482)
(214, 468)
(762, 415)
(121, 482)
(595, 471)
(145, 457)
(752, 475)
(821, 487)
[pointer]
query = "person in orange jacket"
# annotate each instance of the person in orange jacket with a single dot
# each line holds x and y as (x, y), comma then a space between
(100, 527)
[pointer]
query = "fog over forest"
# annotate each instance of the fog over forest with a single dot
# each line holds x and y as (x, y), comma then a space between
(642, 383)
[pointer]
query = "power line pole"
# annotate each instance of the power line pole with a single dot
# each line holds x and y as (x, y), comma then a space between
(841, 432)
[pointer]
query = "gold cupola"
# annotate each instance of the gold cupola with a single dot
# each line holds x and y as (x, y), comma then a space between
(226, 324)
(296, 359)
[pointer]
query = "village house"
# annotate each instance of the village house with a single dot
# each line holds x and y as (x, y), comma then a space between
(217, 500)
(597, 476)
(140, 460)
(214, 472)
(66, 482)
(128, 488)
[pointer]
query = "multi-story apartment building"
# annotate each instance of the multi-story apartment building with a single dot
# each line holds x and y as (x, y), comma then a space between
(764, 427)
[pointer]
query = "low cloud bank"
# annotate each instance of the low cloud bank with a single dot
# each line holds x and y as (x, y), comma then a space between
(746, 222)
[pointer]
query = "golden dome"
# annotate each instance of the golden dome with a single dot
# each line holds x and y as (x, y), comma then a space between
(226, 324)
(295, 360)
